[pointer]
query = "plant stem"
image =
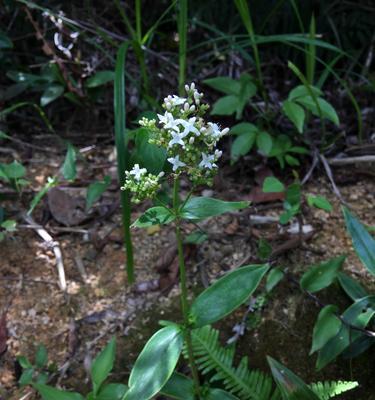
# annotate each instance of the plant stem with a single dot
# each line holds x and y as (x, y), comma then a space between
(182, 37)
(183, 286)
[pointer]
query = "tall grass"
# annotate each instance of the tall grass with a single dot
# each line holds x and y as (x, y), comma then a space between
(123, 153)
(182, 23)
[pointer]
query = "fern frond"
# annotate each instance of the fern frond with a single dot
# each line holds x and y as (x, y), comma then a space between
(212, 358)
(326, 390)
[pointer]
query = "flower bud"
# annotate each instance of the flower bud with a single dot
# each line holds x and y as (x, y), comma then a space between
(224, 131)
(186, 107)
(191, 140)
(192, 108)
(192, 86)
(187, 88)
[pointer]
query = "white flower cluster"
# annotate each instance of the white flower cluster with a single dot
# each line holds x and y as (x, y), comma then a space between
(142, 184)
(190, 141)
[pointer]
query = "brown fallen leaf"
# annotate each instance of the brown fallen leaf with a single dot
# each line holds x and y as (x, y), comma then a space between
(257, 196)
(232, 228)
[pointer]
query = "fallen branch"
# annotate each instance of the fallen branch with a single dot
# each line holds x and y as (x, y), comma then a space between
(55, 247)
(351, 160)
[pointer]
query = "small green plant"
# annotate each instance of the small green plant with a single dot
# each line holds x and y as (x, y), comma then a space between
(349, 333)
(37, 372)
(293, 198)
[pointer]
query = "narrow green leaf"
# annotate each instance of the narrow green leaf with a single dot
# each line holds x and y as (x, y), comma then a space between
(112, 391)
(295, 113)
(179, 387)
(205, 207)
(351, 287)
(219, 394)
(319, 202)
(326, 327)
(51, 182)
(273, 278)
(291, 386)
(242, 144)
(5, 42)
(100, 78)
(154, 216)
(50, 94)
(226, 105)
(264, 142)
(363, 242)
(50, 393)
(155, 364)
(24, 362)
(320, 276)
(224, 84)
(226, 294)
(26, 377)
(103, 364)
(95, 190)
(9, 225)
(69, 169)
(272, 185)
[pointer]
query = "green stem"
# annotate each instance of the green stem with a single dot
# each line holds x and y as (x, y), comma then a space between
(182, 36)
(183, 286)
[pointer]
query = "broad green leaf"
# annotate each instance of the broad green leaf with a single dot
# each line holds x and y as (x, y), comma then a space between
(50, 94)
(154, 216)
(226, 105)
(302, 91)
(358, 346)
(179, 387)
(264, 142)
(95, 190)
(226, 294)
(103, 364)
(272, 185)
(50, 393)
(320, 276)
(112, 391)
(205, 207)
(351, 287)
(219, 394)
(326, 109)
(319, 202)
(363, 242)
(69, 170)
(273, 278)
(224, 84)
(156, 363)
(242, 144)
(14, 170)
(295, 113)
(9, 225)
(100, 78)
(41, 356)
(243, 128)
(149, 155)
(293, 194)
(326, 327)
(292, 161)
(26, 377)
(358, 314)
(291, 386)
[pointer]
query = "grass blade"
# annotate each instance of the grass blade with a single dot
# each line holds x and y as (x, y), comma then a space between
(122, 153)
(182, 34)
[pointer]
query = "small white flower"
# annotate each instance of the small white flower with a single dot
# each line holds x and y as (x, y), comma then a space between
(214, 130)
(174, 100)
(177, 139)
(137, 172)
(189, 126)
(207, 161)
(168, 121)
(218, 154)
(176, 163)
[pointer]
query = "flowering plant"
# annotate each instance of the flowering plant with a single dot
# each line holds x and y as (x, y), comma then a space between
(190, 143)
